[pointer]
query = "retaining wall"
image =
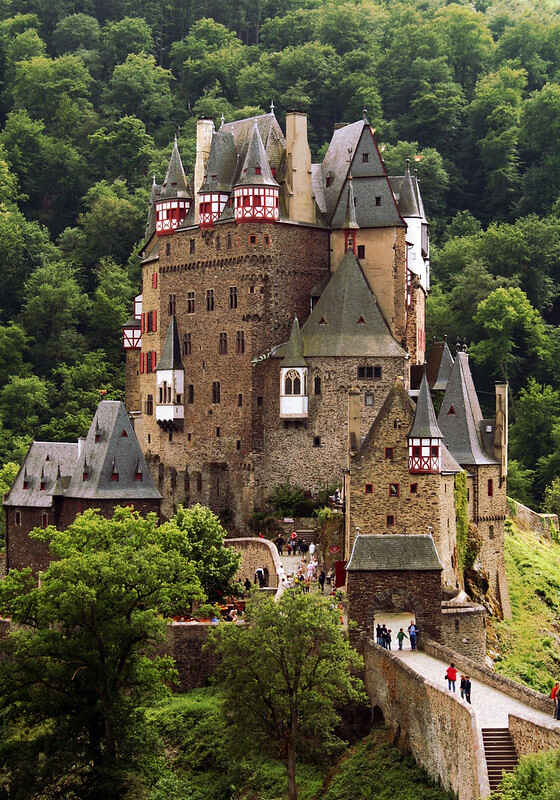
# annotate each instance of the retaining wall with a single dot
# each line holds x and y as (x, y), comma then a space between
(527, 518)
(531, 737)
(463, 628)
(516, 690)
(255, 553)
(195, 665)
(441, 733)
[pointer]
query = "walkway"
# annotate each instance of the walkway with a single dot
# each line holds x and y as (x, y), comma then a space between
(491, 706)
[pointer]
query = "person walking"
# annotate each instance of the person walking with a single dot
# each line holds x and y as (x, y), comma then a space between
(554, 696)
(467, 689)
(389, 639)
(462, 686)
(312, 549)
(378, 635)
(401, 635)
(279, 544)
(451, 676)
(321, 580)
(412, 632)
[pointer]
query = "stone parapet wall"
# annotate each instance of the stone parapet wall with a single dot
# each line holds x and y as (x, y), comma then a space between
(440, 732)
(255, 553)
(463, 628)
(527, 518)
(195, 663)
(513, 689)
(531, 737)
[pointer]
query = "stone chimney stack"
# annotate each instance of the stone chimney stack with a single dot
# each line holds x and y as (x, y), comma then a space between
(204, 131)
(301, 206)
(501, 429)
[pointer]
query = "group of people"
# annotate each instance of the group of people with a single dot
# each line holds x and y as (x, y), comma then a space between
(465, 685)
(384, 636)
(306, 574)
(294, 545)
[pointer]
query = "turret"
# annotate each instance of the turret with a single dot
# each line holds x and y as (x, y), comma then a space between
(215, 192)
(350, 222)
(256, 193)
(170, 381)
(293, 378)
(425, 439)
(174, 200)
(132, 335)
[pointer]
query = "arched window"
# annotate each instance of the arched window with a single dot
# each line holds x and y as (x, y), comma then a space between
(297, 385)
(292, 383)
(288, 385)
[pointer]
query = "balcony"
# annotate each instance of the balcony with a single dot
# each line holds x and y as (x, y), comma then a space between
(293, 406)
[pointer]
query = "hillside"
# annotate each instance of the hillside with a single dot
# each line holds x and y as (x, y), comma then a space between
(529, 643)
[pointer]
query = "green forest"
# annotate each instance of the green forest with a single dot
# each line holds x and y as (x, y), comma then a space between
(92, 93)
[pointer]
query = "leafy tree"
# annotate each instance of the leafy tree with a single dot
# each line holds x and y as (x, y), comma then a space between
(125, 36)
(76, 32)
(283, 675)
(534, 413)
(8, 473)
(197, 533)
(429, 165)
(80, 672)
(540, 129)
(110, 308)
(520, 483)
(13, 351)
(140, 87)
(537, 776)
(41, 84)
(551, 501)
(469, 43)
(122, 150)
(23, 403)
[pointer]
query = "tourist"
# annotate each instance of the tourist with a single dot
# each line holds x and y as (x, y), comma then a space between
(312, 549)
(401, 635)
(321, 580)
(462, 686)
(378, 634)
(467, 689)
(279, 544)
(259, 577)
(554, 695)
(451, 676)
(384, 636)
(293, 540)
(388, 639)
(330, 575)
(248, 585)
(412, 632)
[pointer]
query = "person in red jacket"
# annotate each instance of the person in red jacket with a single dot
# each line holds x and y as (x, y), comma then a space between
(451, 676)
(554, 695)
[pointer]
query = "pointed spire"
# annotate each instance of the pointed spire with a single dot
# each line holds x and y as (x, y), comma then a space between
(222, 120)
(256, 168)
(425, 424)
(350, 221)
(293, 356)
(171, 353)
(175, 183)
(408, 199)
(445, 367)
(364, 114)
(272, 106)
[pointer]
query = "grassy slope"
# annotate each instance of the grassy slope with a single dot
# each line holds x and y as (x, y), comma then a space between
(528, 644)
(200, 768)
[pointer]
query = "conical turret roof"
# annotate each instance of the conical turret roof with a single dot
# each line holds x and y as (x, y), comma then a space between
(221, 164)
(444, 371)
(293, 353)
(256, 168)
(408, 200)
(175, 183)
(425, 424)
(171, 353)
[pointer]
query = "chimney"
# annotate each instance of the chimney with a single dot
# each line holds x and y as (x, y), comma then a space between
(81, 443)
(354, 397)
(204, 131)
(301, 206)
(501, 429)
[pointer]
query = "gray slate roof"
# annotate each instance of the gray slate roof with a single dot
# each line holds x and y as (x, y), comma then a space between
(401, 552)
(271, 136)
(293, 350)
(346, 320)
(444, 371)
(350, 222)
(336, 161)
(425, 422)
(222, 161)
(175, 183)
(171, 351)
(63, 465)
(406, 191)
(448, 463)
(461, 429)
(256, 157)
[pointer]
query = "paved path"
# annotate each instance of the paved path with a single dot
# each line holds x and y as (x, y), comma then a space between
(491, 706)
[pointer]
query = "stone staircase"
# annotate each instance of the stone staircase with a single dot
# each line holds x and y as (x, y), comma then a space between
(500, 753)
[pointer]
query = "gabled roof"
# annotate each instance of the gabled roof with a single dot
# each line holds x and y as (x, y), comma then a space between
(222, 161)
(271, 135)
(256, 169)
(293, 352)
(43, 458)
(425, 423)
(397, 397)
(171, 351)
(175, 183)
(350, 222)
(336, 162)
(444, 371)
(460, 416)
(346, 320)
(415, 552)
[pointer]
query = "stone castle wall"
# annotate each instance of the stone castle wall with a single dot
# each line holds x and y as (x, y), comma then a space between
(532, 520)
(463, 628)
(530, 737)
(256, 553)
(441, 733)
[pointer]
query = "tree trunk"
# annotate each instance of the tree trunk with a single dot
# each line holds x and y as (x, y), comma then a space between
(291, 761)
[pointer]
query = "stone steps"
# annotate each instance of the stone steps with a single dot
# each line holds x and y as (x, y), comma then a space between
(500, 753)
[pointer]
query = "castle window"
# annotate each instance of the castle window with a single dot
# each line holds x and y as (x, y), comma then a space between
(151, 321)
(168, 249)
(361, 251)
(238, 444)
(292, 383)
(218, 243)
(390, 520)
(190, 302)
(190, 394)
(491, 532)
(187, 344)
(114, 475)
(369, 488)
(228, 241)
(240, 342)
(394, 490)
(252, 239)
(365, 157)
(456, 625)
(377, 372)
(222, 344)
(369, 373)
(317, 385)
(322, 321)
(191, 246)
(267, 239)
(149, 404)
(170, 436)
(124, 434)
(172, 304)
(378, 200)
(435, 451)
(43, 485)
(361, 321)
(137, 476)
(413, 488)
(149, 438)
(239, 400)
(210, 300)
(316, 441)
(18, 517)
(329, 180)
(389, 452)
(251, 290)
(233, 297)
(44, 520)
(217, 433)
(416, 450)
(154, 280)
(258, 170)
(216, 392)
(468, 495)
(259, 401)
(25, 483)
(189, 437)
(490, 487)
(368, 399)
(451, 411)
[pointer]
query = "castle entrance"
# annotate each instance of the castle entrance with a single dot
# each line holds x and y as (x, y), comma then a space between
(394, 621)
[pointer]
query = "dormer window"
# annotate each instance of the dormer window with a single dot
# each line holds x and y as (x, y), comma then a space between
(43, 485)
(25, 483)
(114, 471)
(85, 475)
(258, 171)
(322, 321)
(451, 411)
(361, 321)
(124, 434)
(329, 180)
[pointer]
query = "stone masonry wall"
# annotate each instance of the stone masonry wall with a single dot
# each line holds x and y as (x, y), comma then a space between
(530, 737)
(255, 553)
(441, 733)
(394, 591)
(489, 513)
(531, 520)
(463, 628)
(195, 664)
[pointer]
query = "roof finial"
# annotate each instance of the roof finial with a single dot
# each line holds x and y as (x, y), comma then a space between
(272, 106)
(408, 166)
(364, 112)
(222, 120)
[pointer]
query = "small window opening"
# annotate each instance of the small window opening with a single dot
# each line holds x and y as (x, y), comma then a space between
(317, 385)
(361, 251)
(413, 488)
(389, 452)
(390, 520)
(451, 410)
(316, 441)
(368, 398)
(365, 157)
(394, 490)
(239, 400)
(369, 488)
(124, 434)
(378, 200)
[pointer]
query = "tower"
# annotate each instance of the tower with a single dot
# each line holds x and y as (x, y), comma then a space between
(293, 378)
(256, 192)
(174, 200)
(170, 382)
